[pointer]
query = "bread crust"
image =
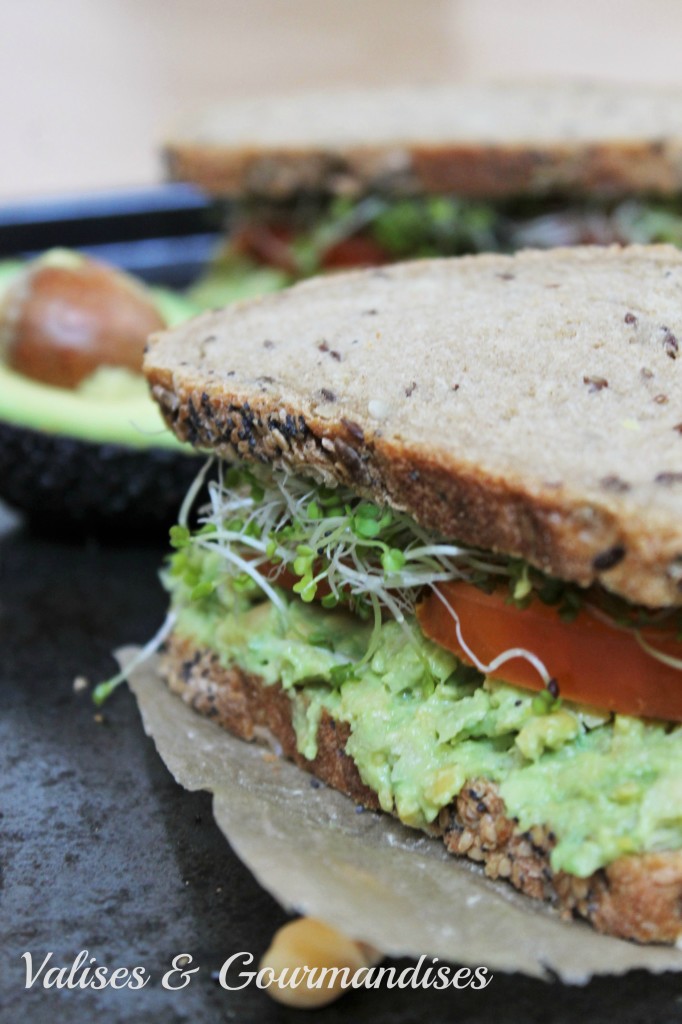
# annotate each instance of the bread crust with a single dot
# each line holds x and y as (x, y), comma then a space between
(485, 140)
(476, 171)
(219, 388)
(635, 897)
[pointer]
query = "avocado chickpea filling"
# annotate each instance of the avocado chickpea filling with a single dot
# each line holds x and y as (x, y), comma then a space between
(340, 601)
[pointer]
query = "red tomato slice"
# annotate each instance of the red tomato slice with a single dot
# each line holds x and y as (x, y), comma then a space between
(357, 251)
(592, 662)
(267, 244)
(272, 245)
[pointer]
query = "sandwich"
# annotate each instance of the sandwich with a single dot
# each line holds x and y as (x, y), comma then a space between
(334, 180)
(440, 563)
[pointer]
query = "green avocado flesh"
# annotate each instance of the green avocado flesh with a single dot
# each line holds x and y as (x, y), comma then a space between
(422, 723)
(113, 406)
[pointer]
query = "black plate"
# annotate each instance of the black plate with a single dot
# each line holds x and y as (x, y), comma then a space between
(164, 234)
(102, 851)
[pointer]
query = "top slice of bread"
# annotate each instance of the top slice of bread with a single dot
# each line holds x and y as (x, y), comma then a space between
(530, 404)
(484, 140)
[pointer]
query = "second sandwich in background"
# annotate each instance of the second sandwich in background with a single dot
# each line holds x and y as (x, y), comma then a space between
(344, 179)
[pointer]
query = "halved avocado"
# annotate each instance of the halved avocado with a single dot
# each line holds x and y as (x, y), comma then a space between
(97, 459)
(67, 485)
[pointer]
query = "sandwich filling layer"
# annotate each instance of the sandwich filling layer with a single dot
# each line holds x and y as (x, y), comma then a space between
(333, 622)
(273, 245)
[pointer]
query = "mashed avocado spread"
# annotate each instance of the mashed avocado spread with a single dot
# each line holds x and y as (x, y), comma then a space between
(423, 723)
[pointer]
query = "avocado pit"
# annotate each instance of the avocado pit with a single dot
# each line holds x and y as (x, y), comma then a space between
(65, 316)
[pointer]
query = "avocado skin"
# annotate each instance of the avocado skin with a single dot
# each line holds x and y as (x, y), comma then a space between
(67, 486)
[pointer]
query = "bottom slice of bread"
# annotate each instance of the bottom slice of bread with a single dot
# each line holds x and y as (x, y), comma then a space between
(635, 897)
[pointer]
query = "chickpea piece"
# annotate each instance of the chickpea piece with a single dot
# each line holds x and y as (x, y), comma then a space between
(308, 942)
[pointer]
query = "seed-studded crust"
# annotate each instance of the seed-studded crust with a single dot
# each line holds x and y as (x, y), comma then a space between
(529, 404)
(484, 140)
(635, 897)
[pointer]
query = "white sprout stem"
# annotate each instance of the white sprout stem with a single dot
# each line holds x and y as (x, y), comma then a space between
(208, 540)
(665, 659)
(102, 691)
(327, 532)
(289, 501)
(371, 648)
(393, 607)
(501, 659)
(437, 550)
(192, 493)
(315, 580)
(237, 503)
(248, 567)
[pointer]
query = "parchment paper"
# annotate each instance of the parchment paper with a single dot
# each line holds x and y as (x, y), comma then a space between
(364, 873)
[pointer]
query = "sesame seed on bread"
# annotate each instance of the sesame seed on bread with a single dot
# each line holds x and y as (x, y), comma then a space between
(528, 404)
(491, 140)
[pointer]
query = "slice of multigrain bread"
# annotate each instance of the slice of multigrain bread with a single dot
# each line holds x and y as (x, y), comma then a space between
(635, 897)
(529, 404)
(487, 140)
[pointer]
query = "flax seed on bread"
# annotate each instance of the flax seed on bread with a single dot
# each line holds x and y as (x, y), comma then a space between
(486, 140)
(636, 897)
(529, 404)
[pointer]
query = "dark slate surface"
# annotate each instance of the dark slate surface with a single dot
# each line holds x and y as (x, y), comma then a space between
(102, 851)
